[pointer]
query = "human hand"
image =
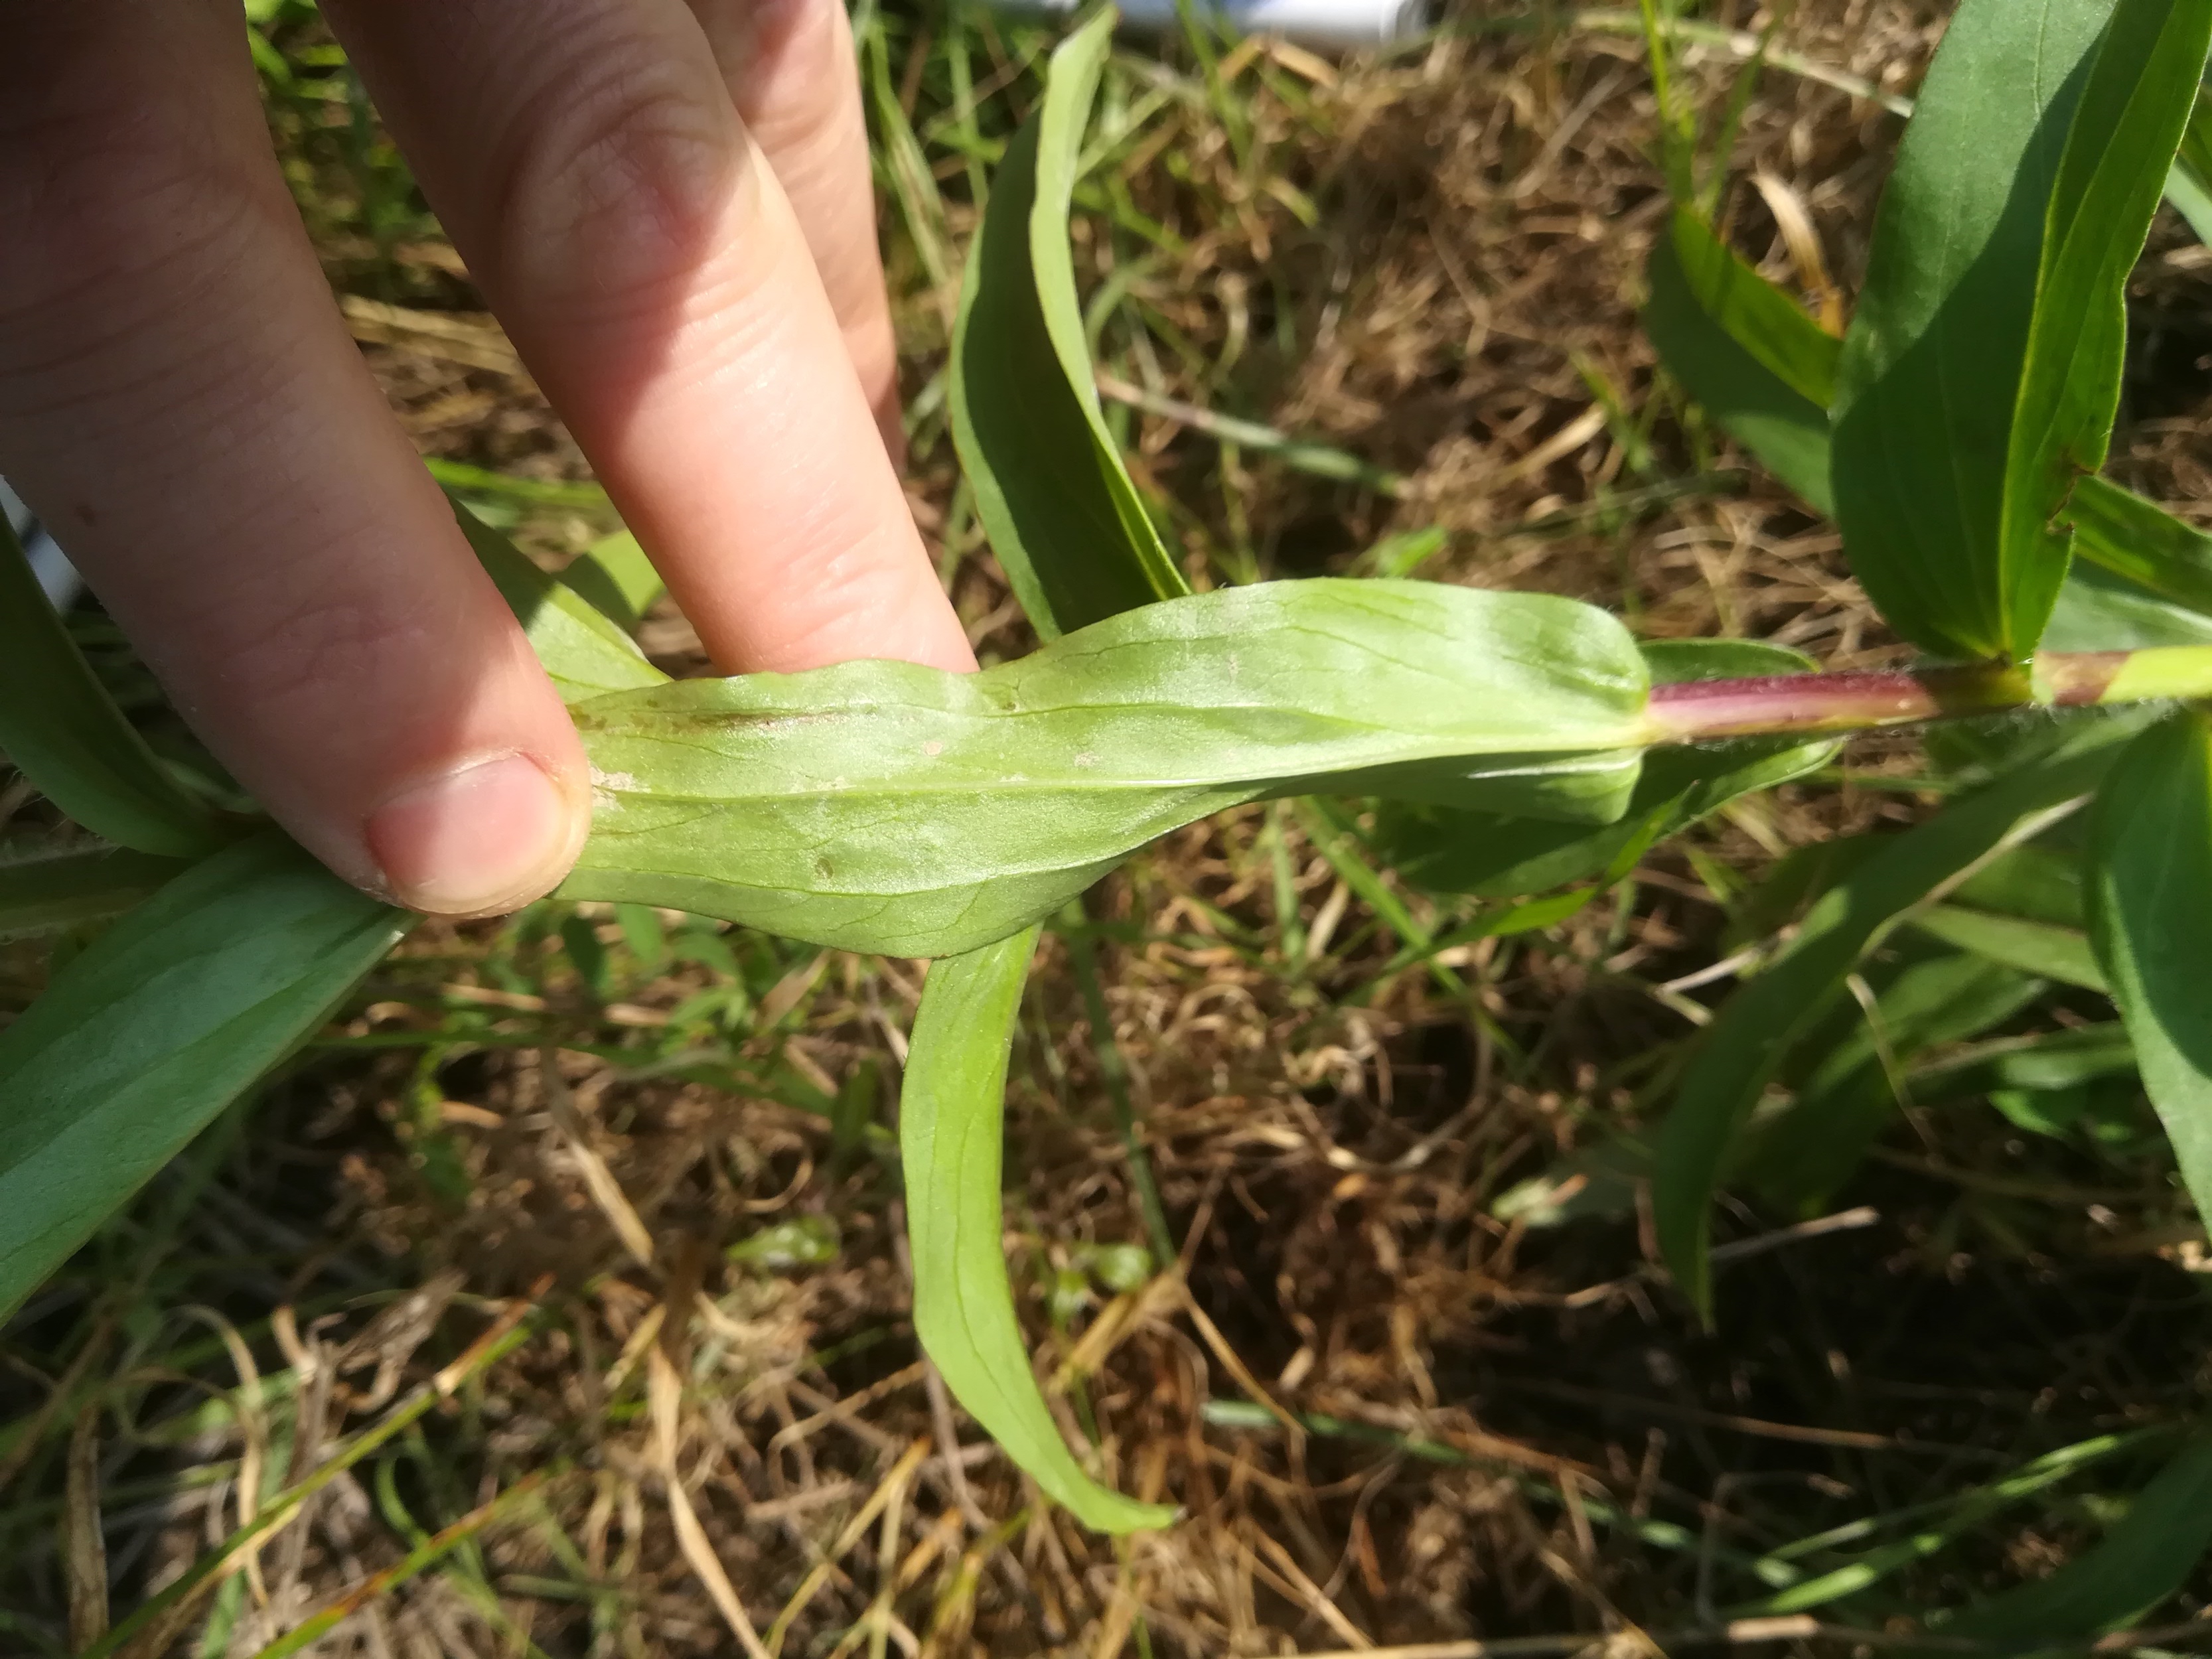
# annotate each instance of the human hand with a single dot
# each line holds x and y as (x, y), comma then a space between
(667, 202)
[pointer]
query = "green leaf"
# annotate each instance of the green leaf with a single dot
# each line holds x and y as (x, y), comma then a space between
(2123, 533)
(1775, 421)
(1954, 371)
(1755, 314)
(885, 807)
(2151, 872)
(2032, 947)
(1060, 511)
(2098, 611)
(951, 1113)
(48, 892)
(1741, 1053)
(64, 734)
(584, 652)
(2141, 90)
(164, 1019)
(1808, 1151)
(616, 579)
(2043, 1064)
(2145, 1557)
(1493, 855)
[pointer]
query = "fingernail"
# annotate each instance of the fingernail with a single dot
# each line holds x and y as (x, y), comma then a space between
(485, 838)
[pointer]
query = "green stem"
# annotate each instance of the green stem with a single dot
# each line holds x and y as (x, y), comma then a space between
(1787, 705)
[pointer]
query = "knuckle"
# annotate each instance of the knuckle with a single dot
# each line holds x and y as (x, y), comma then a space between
(610, 193)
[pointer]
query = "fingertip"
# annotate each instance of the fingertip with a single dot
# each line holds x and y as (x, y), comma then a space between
(481, 838)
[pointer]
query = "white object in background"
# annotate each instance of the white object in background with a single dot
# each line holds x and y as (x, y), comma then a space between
(1310, 23)
(56, 574)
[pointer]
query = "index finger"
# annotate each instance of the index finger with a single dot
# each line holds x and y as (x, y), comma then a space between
(587, 157)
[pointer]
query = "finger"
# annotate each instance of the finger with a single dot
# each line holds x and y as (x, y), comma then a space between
(586, 157)
(180, 402)
(792, 74)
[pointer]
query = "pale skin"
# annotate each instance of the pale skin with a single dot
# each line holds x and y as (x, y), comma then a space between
(667, 204)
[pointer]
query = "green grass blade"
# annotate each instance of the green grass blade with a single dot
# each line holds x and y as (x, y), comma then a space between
(1494, 855)
(2033, 947)
(1743, 1049)
(1926, 389)
(585, 652)
(2145, 1557)
(1059, 508)
(951, 1134)
(48, 892)
(64, 734)
(2134, 107)
(769, 799)
(1777, 422)
(2152, 888)
(168, 1016)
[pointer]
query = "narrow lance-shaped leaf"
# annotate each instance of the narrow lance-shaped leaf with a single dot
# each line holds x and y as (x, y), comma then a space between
(886, 806)
(1926, 390)
(2151, 893)
(164, 1020)
(1786, 429)
(614, 576)
(2147, 1556)
(1062, 515)
(63, 732)
(952, 1131)
(2144, 578)
(47, 892)
(2140, 89)
(1744, 1047)
(2189, 186)
(1766, 322)
(584, 652)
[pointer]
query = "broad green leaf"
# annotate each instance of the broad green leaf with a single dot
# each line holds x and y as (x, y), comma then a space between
(885, 807)
(1933, 362)
(64, 734)
(1494, 855)
(162, 1021)
(47, 892)
(2147, 1556)
(2151, 874)
(616, 579)
(1741, 1053)
(1776, 423)
(2140, 89)
(952, 1131)
(1808, 1151)
(1060, 511)
(584, 652)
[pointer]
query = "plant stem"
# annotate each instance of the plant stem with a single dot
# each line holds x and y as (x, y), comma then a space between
(1782, 705)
